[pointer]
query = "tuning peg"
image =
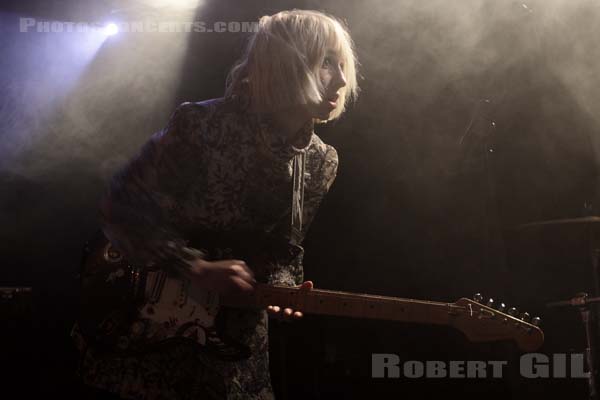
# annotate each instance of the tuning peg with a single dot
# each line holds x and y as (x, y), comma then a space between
(536, 321)
(478, 297)
(490, 303)
(513, 311)
(501, 307)
(525, 316)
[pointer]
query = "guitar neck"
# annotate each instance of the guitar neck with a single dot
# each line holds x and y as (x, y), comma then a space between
(344, 304)
(479, 323)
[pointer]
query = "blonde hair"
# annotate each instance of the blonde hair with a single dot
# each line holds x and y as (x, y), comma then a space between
(280, 67)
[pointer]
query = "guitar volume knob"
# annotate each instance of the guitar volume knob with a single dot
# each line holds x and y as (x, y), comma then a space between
(490, 303)
(525, 317)
(513, 311)
(478, 297)
(501, 307)
(536, 321)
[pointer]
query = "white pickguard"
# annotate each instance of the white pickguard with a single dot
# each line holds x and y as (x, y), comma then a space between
(176, 308)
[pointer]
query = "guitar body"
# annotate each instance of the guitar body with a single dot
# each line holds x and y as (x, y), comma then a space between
(130, 309)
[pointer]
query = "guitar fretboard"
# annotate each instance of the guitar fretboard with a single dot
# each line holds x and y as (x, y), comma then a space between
(344, 304)
(478, 322)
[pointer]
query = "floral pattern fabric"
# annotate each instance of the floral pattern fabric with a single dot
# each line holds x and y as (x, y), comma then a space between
(216, 170)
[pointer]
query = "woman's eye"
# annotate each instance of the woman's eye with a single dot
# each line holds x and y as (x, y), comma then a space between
(326, 62)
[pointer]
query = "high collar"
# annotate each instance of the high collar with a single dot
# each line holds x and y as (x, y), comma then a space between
(281, 145)
(263, 130)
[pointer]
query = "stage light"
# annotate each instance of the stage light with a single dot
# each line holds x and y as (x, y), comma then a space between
(111, 29)
(172, 4)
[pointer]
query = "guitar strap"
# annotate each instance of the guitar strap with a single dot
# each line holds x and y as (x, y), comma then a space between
(299, 164)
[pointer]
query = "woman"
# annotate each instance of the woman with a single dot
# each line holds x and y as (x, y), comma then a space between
(247, 169)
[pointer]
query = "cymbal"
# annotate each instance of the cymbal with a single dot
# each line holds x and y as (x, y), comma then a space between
(567, 221)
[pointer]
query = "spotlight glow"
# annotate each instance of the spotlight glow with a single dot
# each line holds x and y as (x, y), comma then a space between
(173, 4)
(111, 29)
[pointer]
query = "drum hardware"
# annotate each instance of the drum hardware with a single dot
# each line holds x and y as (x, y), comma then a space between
(588, 307)
(588, 317)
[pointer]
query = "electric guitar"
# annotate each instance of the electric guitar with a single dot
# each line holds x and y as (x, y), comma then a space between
(124, 308)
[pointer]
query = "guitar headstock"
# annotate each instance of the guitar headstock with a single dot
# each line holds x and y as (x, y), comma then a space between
(483, 323)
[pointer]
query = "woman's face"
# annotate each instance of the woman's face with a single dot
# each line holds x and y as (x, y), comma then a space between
(332, 78)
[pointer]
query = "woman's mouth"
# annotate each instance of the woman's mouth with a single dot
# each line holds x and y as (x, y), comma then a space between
(333, 100)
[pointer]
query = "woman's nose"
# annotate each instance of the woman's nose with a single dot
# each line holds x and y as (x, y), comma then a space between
(340, 79)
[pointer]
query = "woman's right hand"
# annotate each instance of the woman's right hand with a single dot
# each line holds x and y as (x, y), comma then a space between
(223, 277)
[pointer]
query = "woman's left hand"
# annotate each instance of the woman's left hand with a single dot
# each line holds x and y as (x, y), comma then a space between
(287, 314)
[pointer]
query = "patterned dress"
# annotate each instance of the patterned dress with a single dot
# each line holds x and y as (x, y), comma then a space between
(216, 170)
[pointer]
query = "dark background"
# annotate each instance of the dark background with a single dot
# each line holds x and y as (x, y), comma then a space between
(475, 117)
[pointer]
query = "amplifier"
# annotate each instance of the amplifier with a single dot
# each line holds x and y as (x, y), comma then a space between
(16, 303)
